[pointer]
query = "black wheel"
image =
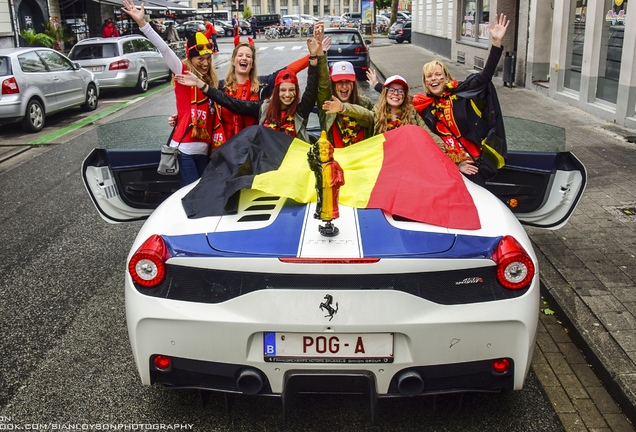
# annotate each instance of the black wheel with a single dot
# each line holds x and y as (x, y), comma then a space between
(243, 32)
(142, 81)
(33, 120)
(229, 33)
(399, 40)
(91, 99)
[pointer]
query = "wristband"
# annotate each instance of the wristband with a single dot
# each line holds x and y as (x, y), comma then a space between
(313, 57)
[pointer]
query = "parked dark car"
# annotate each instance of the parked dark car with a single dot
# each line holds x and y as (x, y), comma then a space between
(400, 31)
(347, 44)
(187, 28)
(228, 30)
(245, 27)
(266, 20)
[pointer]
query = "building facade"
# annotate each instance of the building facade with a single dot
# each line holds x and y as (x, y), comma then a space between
(580, 52)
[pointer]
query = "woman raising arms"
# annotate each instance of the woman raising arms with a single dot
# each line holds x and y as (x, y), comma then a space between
(198, 122)
(466, 115)
(285, 111)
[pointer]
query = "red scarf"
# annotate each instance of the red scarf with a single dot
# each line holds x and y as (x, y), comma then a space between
(346, 132)
(457, 147)
(234, 123)
(287, 124)
(198, 102)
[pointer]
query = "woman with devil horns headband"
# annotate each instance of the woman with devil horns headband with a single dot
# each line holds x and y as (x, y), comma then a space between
(242, 82)
(198, 123)
(285, 111)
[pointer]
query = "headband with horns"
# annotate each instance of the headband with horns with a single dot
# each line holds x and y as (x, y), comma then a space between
(237, 40)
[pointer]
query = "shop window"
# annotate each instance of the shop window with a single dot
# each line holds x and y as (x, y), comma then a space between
(476, 20)
(611, 50)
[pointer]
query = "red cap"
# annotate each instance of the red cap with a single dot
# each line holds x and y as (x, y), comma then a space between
(396, 79)
(286, 76)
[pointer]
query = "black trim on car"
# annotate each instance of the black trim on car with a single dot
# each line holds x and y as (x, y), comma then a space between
(475, 285)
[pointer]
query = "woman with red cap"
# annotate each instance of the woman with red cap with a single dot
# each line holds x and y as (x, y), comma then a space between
(198, 124)
(394, 109)
(340, 84)
(285, 111)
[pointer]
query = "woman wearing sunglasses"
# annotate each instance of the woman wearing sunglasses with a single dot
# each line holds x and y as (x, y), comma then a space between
(394, 109)
(285, 111)
(198, 123)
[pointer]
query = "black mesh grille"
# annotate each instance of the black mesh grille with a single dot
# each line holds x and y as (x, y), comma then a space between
(444, 287)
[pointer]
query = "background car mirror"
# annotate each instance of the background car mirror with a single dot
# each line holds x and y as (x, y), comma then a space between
(367, 41)
(76, 66)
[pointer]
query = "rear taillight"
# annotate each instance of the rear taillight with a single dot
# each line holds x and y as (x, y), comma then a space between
(10, 86)
(163, 363)
(147, 266)
(121, 64)
(400, 31)
(515, 269)
(501, 365)
(361, 49)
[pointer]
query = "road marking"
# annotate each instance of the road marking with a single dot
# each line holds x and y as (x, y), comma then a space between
(279, 48)
(88, 120)
(294, 48)
(263, 48)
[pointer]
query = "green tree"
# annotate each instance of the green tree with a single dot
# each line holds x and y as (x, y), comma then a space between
(58, 34)
(247, 13)
(37, 39)
(394, 11)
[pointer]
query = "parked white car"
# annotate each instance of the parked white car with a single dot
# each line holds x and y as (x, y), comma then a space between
(37, 82)
(124, 61)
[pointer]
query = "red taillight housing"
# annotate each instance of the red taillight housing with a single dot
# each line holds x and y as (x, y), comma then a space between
(121, 64)
(400, 31)
(10, 86)
(148, 265)
(501, 365)
(361, 49)
(515, 269)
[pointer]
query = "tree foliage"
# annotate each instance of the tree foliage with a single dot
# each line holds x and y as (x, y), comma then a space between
(247, 13)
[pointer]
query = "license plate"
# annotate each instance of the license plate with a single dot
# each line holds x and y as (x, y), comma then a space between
(94, 68)
(328, 348)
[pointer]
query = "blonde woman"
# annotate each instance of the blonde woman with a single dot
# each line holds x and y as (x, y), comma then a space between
(198, 128)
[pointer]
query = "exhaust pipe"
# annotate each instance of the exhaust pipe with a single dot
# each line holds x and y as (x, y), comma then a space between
(410, 383)
(249, 382)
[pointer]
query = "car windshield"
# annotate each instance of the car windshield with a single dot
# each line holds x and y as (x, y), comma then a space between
(94, 51)
(5, 66)
(345, 38)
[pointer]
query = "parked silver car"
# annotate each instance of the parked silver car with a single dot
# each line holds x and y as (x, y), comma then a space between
(124, 61)
(36, 82)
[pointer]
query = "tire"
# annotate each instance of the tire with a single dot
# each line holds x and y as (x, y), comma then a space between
(399, 40)
(33, 120)
(91, 99)
(244, 32)
(229, 33)
(142, 81)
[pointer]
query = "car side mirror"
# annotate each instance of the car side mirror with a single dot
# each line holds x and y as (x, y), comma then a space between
(76, 66)
(367, 41)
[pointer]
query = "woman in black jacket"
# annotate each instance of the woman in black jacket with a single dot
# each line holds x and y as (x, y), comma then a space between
(466, 115)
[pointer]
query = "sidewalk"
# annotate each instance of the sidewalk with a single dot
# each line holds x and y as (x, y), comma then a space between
(588, 267)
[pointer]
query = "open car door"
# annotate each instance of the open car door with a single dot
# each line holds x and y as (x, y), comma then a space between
(121, 175)
(124, 184)
(540, 183)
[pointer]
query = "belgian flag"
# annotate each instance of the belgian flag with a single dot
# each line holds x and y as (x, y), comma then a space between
(402, 171)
